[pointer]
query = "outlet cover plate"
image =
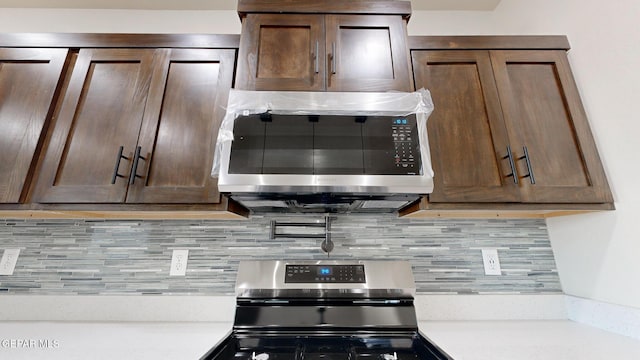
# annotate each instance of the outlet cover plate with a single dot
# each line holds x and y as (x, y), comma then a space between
(491, 262)
(179, 263)
(9, 261)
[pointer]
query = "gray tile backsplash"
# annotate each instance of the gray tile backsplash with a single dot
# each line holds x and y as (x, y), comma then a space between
(114, 257)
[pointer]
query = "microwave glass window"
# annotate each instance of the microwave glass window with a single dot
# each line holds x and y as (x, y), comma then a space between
(288, 145)
(325, 145)
(337, 147)
(247, 146)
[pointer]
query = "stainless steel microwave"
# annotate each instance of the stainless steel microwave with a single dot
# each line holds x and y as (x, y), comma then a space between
(325, 152)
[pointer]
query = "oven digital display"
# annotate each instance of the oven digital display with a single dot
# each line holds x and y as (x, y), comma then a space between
(317, 274)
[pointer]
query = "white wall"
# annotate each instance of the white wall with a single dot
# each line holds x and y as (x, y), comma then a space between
(597, 254)
(119, 21)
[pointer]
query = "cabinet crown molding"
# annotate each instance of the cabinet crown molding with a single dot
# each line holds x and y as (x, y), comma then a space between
(325, 7)
(489, 42)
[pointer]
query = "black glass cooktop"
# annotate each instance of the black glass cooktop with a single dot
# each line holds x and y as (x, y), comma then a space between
(333, 348)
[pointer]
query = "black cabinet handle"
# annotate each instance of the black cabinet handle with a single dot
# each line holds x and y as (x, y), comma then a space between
(529, 168)
(134, 168)
(333, 57)
(115, 169)
(317, 58)
(512, 164)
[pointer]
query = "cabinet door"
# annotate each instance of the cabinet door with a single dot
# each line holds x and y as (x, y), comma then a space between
(281, 52)
(466, 131)
(28, 82)
(101, 111)
(188, 95)
(544, 115)
(367, 53)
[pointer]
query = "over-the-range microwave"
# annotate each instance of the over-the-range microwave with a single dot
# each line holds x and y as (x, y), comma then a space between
(325, 152)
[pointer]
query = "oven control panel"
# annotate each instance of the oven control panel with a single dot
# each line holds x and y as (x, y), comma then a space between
(318, 274)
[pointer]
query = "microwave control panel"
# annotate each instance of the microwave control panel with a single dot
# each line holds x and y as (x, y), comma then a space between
(403, 132)
(318, 274)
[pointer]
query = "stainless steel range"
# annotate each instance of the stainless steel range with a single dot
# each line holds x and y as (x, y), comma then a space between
(325, 310)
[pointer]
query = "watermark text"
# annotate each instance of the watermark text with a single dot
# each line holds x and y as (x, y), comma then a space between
(29, 344)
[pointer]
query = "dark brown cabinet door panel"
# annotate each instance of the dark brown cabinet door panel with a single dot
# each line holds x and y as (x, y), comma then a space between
(28, 81)
(467, 136)
(101, 111)
(281, 52)
(366, 53)
(545, 118)
(186, 104)
(323, 52)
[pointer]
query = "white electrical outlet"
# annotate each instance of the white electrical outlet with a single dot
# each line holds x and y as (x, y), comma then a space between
(179, 263)
(9, 260)
(491, 262)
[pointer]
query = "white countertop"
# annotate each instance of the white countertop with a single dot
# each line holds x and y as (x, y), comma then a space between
(477, 327)
(528, 340)
(117, 340)
(464, 340)
(221, 308)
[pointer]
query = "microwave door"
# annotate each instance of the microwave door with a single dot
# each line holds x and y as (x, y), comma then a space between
(247, 147)
(288, 145)
(337, 148)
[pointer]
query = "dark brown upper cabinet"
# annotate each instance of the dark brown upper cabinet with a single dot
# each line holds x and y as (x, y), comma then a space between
(281, 52)
(555, 153)
(28, 82)
(137, 126)
(367, 53)
(508, 126)
(302, 50)
(467, 133)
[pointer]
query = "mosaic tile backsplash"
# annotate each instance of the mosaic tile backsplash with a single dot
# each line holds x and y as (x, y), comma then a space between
(114, 257)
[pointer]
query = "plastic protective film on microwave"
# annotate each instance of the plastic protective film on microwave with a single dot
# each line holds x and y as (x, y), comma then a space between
(245, 102)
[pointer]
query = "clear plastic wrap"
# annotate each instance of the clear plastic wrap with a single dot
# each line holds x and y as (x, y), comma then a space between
(245, 102)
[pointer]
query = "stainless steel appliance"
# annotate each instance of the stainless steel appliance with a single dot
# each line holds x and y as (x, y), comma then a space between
(325, 152)
(307, 310)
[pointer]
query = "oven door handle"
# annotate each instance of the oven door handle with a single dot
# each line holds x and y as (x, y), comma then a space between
(272, 301)
(376, 302)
